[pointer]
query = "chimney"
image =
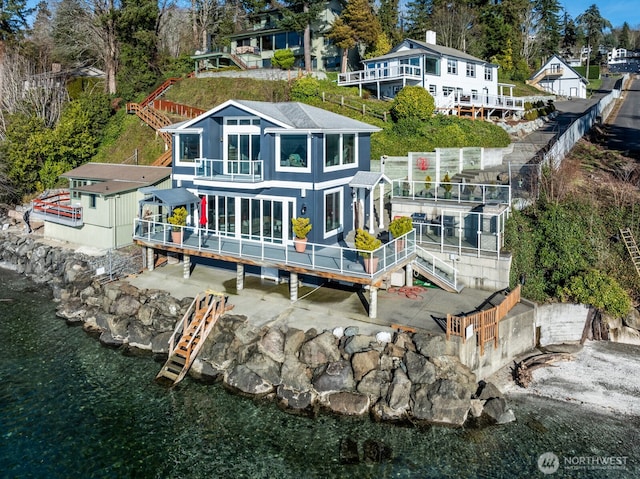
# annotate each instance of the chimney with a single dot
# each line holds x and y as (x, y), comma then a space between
(430, 37)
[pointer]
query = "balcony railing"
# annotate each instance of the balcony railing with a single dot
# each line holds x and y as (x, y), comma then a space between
(383, 73)
(347, 262)
(57, 209)
(247, 171)
(478, 100)
(452, 192)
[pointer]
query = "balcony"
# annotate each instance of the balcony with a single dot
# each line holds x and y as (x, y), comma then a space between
(234, 171)
(328, 261)
(57, 208)
(371, 75)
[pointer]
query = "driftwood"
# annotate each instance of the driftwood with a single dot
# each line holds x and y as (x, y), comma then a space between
(523, 369)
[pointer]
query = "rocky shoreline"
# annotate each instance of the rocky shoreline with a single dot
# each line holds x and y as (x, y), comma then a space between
(401, 377)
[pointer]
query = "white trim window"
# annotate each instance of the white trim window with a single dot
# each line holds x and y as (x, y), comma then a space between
(488, 73)
(452, 67)
(471, 70)
(340, 150)
(241, 144)
(333, 214)
(433, 90)
(293, 152)
(189, 148)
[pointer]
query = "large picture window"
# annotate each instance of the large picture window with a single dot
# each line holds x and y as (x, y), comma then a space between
(332, 211)
(294, 151)
(242, 138)
(189, 148)
(340, 149)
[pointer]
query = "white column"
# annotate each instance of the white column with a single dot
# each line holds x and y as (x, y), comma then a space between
(150, 257)
(293, 286)
(239, 277)
(381, 206)
(186, 267)
(371, 213)
(373, 302)
(408, 275)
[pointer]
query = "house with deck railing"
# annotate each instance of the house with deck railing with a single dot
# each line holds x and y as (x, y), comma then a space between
(459, 83)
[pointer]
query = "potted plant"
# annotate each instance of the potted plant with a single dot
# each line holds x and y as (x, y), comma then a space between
(427, 186)
(400, 226)
(366, 243)
(179, 220)
(301, 228)
(447, 186)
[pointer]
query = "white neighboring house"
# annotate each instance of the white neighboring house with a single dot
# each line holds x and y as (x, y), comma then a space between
(457, 81)
(557, 77)
(617, 55)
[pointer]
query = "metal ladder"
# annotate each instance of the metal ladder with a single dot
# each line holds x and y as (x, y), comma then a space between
(632, 247)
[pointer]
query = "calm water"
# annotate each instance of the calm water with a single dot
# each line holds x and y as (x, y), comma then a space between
(70, 408)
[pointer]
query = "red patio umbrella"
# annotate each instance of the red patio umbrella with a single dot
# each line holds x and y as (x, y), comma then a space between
(203, 211)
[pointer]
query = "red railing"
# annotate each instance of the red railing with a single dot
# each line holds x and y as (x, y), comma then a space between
(177, 108)
(160, 90)
(485, 323)
(57, 208)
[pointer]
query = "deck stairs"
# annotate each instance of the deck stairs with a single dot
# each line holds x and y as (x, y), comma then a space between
(190, 334)
(632, 247)
(436, 271)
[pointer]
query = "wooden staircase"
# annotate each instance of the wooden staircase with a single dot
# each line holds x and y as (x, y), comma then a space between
(632, 247)
(190, 334)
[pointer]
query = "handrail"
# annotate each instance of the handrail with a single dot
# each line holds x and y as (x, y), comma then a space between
(176, 108)
(458, 192)
(329, 258)
(54, 206)
(438, 264)
(160, 90)
(234, 169)
(485, 323)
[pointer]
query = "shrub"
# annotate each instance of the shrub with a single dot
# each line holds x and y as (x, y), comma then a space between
(400, 226)
(304, 88)
(366, 242)
(412, 102)
(598, 290)
(283, 59)
(301, 227)
(178, 218)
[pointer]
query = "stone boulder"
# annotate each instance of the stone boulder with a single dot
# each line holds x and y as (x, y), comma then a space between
(429, 345)
(632, 320)
(299, 402)
(349, 451)
(358, 343)
(364, 362)
(294, 339)
(376, 451)
(265, 367)
(272, 345)
(496, 410)
(336, 376)
(443, 402)
(399, 392)
(348, 403)
(419, 369)
(320, 350)
(244, 381)
(375, 384)
(295, 374)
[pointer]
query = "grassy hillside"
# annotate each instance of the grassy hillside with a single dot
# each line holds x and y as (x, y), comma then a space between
(126, 133)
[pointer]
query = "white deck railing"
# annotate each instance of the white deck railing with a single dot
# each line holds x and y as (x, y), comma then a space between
(383, 73)
(232, 170)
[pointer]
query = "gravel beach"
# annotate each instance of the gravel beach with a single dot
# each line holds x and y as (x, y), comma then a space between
(602, 375)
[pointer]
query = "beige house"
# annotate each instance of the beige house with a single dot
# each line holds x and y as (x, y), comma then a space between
(100, 205)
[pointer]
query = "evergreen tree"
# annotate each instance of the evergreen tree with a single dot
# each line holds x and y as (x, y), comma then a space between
(593, 25)
(418, 18)
(624, 39)
(138, 60)
(569, 36)
(13, 19)
(548, 30)
(298, 17)
(389, 18)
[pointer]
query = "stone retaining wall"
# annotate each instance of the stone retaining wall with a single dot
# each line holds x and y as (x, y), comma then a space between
(395, 378)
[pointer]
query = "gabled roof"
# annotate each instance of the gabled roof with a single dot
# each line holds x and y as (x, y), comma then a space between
(424, 47)
(170, 198)
(286, 115)
(367, 179)
(112, 178)
(557, 58)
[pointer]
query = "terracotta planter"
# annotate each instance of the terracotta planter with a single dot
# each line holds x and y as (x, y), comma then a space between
(399, 245)
(300, 244)
(176, 236)
(371, 265)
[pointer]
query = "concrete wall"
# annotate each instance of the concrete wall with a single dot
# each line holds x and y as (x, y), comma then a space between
(516, 336)
(560, 322)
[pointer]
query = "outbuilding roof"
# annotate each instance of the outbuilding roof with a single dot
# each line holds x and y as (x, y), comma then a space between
(112, 178)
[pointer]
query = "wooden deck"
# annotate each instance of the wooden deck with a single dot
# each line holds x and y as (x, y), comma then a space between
(331, 262)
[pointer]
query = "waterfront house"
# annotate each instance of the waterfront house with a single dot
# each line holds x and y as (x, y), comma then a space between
(97, 209)
(558, 78)
(459, 82)
(254, 44)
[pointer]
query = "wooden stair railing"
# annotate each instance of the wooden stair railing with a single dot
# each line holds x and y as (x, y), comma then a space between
(632, 247)
(191, 333)
(164, 159)
(159, 91)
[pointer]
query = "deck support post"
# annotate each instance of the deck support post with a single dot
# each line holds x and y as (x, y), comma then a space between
(150, 262)
(293, 286)
(239, 277)
(408, 275)
(186, 266)
(373, 302)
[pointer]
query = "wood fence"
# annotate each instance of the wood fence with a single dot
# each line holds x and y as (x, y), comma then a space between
(483, 323)
(352, 104)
